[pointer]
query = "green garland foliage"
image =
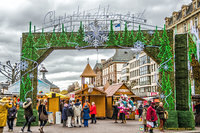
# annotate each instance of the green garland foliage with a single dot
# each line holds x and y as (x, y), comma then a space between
(72, 39)
(63, 38)
(165, 53)
(28, 87)
(112, 38)
(169, 93)
(42, 42)
(54, 41)
(80, 36)
(22, 90)
(172, 121)
(119, 41)
(156, 38)
(125, 36)
(192, 48)
(29, 51)
(186, 119)
(140, 37)
(164, 82)
(21, 120)
(131, 39)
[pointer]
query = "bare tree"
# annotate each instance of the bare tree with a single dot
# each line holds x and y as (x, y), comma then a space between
(71, 88)
(11, 72)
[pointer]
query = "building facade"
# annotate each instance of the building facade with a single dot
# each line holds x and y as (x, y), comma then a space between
(110, 70)
(141, 74)
(180, 20)
(125, 73)
(98, 70)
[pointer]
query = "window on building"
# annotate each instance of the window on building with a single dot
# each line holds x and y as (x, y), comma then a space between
(132, 74)
(132, 65)
(195, 22)
(144, 59)
(141, 89)
(195, 5)
(144, 70)
(145, 80)
(185, 27)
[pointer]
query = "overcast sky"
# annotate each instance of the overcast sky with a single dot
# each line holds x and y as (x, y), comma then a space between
(65, 67)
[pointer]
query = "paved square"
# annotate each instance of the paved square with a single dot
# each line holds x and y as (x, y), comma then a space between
(102, 126)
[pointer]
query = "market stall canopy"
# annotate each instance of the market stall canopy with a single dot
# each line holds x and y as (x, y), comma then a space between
(148, 98)
(90, 91)
(49, 95)
(120, 88)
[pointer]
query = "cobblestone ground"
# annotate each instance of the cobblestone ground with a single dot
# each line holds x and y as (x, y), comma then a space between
(102, 126)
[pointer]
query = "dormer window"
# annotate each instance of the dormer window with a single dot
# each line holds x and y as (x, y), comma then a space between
(184, 13)
(195, 22)
(184, 9)
(175, 16)
(194, 4)
(185, 27)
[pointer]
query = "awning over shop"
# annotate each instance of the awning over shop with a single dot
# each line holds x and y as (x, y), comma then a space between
(49, 95)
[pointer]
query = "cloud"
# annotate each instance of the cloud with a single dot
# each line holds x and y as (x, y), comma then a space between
(16, 15)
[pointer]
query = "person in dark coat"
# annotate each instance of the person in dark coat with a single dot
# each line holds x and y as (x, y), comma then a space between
(42, 108)
(115, 112)
(11, 117)
(197, 114)
(28, 112)
(70, 114)
(62, 102)
(86, 115)
(160, 111)
(64, 114)
(140, 110)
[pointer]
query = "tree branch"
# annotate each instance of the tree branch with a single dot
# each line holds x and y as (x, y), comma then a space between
(5, 75)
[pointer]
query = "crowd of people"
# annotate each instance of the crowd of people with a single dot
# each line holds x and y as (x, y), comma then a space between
(149, 116)
(73, 114)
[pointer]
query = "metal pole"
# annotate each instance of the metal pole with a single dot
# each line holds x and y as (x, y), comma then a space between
(133, 20)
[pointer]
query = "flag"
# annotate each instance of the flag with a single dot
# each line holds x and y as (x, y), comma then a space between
(118, 25)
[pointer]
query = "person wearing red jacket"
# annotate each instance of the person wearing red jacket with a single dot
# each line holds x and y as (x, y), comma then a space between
(151, 115)
(93, 112)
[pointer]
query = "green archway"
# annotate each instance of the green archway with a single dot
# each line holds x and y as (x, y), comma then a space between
(160, 45)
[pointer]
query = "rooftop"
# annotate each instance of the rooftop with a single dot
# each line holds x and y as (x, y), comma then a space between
(52, 86)
(88, 72)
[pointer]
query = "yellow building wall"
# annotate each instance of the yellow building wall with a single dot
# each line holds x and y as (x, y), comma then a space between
(53, 105)
(109, 108)
(100, 105)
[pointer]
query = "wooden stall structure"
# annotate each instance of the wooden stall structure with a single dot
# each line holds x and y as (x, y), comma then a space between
(113, 93)
(94, 95)
(91, 93)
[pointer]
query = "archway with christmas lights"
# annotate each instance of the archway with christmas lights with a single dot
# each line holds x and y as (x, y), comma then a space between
(170, 51)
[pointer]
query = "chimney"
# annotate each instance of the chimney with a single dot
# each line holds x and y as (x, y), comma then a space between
(167, 19)
(103, 60)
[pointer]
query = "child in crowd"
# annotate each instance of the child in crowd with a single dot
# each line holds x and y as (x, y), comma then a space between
(144, 115)
(86, 115)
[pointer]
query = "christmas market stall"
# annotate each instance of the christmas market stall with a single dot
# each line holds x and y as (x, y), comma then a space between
(114, 93)
(90, 92)
(94, 95)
